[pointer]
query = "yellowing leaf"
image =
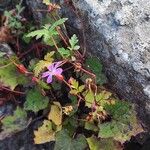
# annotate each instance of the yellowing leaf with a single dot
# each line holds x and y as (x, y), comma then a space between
(102, 97)
(40, 66)
(44, 133)
(48, 59)
(48, 56)
(93, 143)
(75, 87)
(46, 2)
(89, 98)
(55, 114)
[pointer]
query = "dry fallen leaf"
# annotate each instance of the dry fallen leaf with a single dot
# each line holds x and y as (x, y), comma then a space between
(44, 133)
(55, 114)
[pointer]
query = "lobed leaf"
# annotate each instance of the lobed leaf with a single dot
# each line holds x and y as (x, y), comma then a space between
(65, 142)
(55, 114)
(9, 74)
(95, 66)
(35, 101)
(44, 133)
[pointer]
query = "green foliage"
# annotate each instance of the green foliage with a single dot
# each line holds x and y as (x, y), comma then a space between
(75, 87)
(91, 126)
(94, 143)
(65, 142)
(73, 43)
(103, 144)
(100, 98)
(35, 101)
(43, 85)
(2, 54)
(48, 32)
(95, 66)
(9, 75)
(15, 122)
(70, 124)
(43, 63)
(89, 98)
(65, 53)
(123, 124)
(14, 21)
(68, 105)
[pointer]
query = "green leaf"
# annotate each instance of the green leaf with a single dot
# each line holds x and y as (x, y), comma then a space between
(95, 66)
(121, 111)
(94, 144)
(43, 85)
(75, 88)
(57, 23)
(48, 59)
(108, 130)
(35, 101)
(26, 39)
(70, 124)
(102, 144)
(2, 54)
(14, 21)
(44, 133)
(40, 66)
(123, 125)
(65, 142)
(103, 97)
(65, 53)
(91, 126)
(15, 122)
(89, 98)
(73, 43)
(9, 75)
(48, 32)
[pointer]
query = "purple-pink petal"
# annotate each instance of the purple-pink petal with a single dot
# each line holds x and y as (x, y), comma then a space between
(58, 71)
(57, 64)
(49, 79)
(50, 68)
(45, 74)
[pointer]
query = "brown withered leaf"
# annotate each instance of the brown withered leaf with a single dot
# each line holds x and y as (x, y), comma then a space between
(5, 34)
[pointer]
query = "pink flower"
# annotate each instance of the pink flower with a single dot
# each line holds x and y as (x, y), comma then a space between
(53, 70)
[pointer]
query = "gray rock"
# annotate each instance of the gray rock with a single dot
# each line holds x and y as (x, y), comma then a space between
(118, 32)
(24, 141)
(6, 49)
(8, 4)
(37, 8)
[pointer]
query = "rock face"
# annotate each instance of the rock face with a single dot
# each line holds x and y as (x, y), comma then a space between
(37, 8)
(118, 32)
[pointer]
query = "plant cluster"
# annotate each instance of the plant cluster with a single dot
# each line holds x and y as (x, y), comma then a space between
(66, 89)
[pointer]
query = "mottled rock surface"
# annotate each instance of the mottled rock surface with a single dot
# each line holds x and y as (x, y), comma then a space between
(118, 32)
(24, 141)
(37, 8)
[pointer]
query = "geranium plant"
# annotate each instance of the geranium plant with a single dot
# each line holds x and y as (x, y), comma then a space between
(67, 88)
